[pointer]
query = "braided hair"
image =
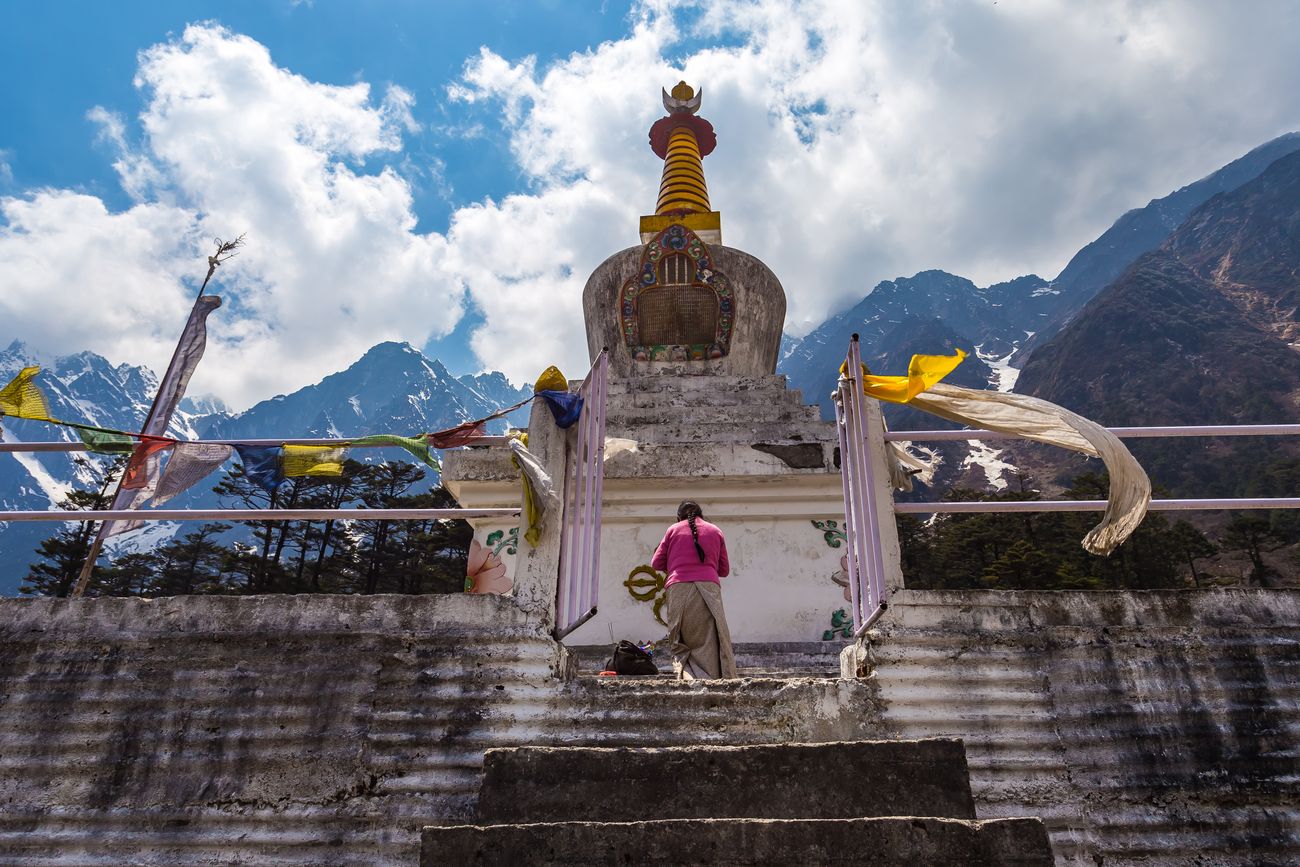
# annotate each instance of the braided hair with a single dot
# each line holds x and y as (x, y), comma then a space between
(688, 511)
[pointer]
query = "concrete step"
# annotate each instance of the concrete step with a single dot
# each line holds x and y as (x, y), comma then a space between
(753, 659)
(679, 383)
(712, 416)
(764, 781)
(901, 841)
(673, 431)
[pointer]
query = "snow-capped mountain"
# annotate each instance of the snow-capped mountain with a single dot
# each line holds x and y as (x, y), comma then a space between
(393, 388)
(905, 316)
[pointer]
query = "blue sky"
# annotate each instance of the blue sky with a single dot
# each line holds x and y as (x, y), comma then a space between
(448, 174)
(75, 60)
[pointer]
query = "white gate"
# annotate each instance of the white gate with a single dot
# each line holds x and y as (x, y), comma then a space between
(579, 579)
(866, 566)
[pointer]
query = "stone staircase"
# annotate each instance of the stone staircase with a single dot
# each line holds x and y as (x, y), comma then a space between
(776, 804)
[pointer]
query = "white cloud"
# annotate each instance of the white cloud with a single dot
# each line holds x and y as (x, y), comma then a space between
(863, 141)
(233, 143)
(857, 142)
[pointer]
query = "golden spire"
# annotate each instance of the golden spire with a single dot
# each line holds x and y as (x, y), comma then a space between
(682, 139)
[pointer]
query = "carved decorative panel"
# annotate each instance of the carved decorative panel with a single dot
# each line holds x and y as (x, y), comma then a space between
(677, 307)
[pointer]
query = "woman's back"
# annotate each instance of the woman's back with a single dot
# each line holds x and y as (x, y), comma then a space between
(678, 556)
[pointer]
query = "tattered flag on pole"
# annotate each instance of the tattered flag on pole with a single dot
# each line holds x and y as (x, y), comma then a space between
(189, 351)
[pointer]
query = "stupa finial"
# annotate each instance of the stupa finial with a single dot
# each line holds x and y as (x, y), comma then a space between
(682, 139)
(682, 99)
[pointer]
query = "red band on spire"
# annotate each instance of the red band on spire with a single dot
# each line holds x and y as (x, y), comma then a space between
(705, 137)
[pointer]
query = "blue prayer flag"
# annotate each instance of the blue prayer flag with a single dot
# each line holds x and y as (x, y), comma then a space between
(565, 406)
(263, 466)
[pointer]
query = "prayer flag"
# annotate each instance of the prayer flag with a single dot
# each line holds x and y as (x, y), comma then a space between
(189, 464)
(416, 447)
(1045, 422)
(22, 398)
(566, 408)
(923, 371)
(461, 434)
(312, 461)
(539, 491)
(262, 465)
(105, 443)
(143, 474)
(140, 470)
(551, 380)
(553, 387)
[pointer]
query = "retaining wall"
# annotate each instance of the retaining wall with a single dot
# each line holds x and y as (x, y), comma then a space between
(312, 729)
(1144, 727)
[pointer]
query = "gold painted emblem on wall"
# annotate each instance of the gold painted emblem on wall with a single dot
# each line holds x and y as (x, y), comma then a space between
(646, 584)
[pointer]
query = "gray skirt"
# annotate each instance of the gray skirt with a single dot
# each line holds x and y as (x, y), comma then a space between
(697, 631)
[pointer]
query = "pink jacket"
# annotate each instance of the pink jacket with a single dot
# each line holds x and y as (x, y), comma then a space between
(677, 556)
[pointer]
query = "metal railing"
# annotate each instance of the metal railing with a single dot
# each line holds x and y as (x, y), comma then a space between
(578, 589)
(869, 595)
(1181, 505)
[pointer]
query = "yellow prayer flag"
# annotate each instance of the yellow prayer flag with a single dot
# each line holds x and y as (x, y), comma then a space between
(312, 461)
(22, 398)
(551, 380)
(923, 371)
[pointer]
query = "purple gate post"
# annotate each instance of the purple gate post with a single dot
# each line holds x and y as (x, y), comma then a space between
(868, 595)
(578, 587)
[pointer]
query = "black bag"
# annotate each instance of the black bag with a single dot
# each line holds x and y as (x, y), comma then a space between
(630, 659)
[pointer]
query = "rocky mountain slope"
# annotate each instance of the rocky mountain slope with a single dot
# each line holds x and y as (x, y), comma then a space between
(1002, 324)
(1202, 330)
(929, 313)
(1020, 314)
(1141, 230)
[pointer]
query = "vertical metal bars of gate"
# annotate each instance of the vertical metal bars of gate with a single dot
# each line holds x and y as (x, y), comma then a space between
(578, 587)
(866, 566)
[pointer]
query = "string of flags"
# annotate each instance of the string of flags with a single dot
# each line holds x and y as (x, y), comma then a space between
(188, 462)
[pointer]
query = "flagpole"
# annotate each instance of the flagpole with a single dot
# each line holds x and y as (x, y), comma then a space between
(171, 389)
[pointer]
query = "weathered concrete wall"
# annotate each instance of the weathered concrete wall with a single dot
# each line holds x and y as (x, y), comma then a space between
(1159, 727)
(312, 729)
(1144, 727)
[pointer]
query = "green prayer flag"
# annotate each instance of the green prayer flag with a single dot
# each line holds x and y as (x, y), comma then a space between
(419, 448)
(104, 443)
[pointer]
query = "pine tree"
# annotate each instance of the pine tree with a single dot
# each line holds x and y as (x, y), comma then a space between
(63, 554)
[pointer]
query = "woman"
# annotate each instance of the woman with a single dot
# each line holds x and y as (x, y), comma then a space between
(694, 555)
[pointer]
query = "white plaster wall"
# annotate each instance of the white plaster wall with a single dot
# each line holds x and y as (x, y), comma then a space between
(780, 587)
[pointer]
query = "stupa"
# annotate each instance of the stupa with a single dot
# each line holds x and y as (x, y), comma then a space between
(693, 329)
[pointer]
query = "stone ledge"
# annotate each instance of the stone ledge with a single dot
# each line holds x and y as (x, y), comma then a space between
(925, 777)
(901, 841)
